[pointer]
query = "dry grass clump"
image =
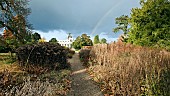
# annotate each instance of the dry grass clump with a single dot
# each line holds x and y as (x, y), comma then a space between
(128, 70)
(49, 84)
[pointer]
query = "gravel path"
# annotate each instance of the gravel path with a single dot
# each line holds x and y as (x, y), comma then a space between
(82, 85)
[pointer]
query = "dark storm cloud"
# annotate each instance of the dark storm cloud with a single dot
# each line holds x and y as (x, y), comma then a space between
(78, 16)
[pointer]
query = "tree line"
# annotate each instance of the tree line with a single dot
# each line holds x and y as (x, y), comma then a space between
(148, 25)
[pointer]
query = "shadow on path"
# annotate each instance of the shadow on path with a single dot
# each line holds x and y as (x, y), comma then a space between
(82, 85)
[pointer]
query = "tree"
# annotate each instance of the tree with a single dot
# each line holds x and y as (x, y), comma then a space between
(82, 40)
(103, 41)
(96, 39)
(53, 40)
(150, 24)
(77, 43)
(36, 36)
(13, 14)
(123, 23)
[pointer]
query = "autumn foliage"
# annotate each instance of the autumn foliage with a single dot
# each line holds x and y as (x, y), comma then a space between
(7, 34)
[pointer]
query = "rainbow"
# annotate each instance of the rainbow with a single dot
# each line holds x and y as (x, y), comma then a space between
(104, 16)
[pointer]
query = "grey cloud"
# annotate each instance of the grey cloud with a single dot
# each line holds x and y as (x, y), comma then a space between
(78, 16)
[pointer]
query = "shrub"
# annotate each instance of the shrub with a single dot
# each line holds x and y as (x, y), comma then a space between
(42, 54)
(128, 70)
(84, 55)
(70, 52)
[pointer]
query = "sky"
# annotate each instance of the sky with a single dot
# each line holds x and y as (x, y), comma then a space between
(57, 18)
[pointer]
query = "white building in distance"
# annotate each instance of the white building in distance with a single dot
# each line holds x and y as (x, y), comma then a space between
(68, 42)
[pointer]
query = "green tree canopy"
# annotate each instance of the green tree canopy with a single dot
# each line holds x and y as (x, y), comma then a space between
(103, 41)
(150, 24)
(123, 24)
(82, 40)
(96, 39)
(53, 40)
(36, 36)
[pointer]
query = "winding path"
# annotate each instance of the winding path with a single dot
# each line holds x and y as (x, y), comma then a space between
(82, 85)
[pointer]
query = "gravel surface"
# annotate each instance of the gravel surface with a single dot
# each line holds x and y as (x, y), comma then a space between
(82, 85)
